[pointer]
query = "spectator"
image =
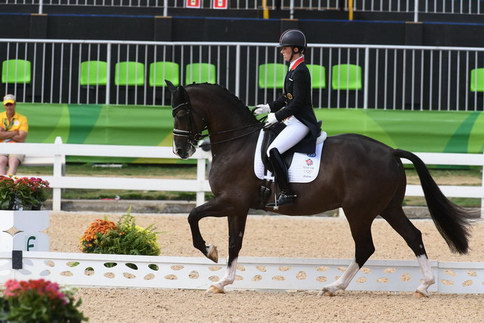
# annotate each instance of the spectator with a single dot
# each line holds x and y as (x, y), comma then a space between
(13, 128)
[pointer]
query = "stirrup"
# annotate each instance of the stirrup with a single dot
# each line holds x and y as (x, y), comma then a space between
(282, 199)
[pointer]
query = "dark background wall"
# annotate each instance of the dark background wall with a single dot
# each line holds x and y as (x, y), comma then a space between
(77, 22)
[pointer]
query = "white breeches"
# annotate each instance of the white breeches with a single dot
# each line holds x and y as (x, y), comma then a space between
(293, 133)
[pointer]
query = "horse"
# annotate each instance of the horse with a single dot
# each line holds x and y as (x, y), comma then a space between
(363, 176)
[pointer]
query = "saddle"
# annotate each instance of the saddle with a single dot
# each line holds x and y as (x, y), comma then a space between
(270, 133)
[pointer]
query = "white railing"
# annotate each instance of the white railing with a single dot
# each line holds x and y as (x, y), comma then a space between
(77, 269)
(59, 181)
(387, 77)
(415, 7)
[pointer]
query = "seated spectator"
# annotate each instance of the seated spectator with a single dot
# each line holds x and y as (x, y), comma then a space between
(13, 128)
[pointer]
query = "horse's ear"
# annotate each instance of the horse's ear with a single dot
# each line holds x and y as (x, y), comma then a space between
(171, 87)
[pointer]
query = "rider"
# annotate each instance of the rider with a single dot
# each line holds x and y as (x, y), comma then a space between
(294, 108)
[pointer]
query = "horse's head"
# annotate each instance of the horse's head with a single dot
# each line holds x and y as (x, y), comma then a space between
(185, 132)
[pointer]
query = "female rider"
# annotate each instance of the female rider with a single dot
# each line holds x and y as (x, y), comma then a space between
(294, 109)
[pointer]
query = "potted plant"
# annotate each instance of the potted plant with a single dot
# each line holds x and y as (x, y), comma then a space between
(22, 220)
(39, 301)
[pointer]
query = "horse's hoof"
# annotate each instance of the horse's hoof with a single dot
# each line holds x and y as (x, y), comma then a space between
(326, 293)
(212, 253)
(213, 289)
(420, 294)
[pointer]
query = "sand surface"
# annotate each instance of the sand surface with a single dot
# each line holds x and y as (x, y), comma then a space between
(274, 236)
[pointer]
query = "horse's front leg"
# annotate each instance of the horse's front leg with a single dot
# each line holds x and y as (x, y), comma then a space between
(236, 236)
(211, 208)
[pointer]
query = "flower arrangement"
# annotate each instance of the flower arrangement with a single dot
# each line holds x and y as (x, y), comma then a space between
(39, 301)
(22, 193)
(124, 238)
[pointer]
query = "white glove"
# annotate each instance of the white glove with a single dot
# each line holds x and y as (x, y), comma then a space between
(271, 119)
(262, 108)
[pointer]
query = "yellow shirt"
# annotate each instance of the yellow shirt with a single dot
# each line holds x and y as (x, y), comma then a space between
(18, 122)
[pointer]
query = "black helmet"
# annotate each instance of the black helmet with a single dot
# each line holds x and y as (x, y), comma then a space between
(293, 37)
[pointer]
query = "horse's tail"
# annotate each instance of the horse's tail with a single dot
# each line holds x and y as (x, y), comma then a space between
(451, 220)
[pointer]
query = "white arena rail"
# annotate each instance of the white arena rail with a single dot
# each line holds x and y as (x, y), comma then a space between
(97, 270)
(59, 181)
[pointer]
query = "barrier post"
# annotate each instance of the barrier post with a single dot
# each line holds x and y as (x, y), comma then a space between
(482, 184)
(56, 192)
(201, 163)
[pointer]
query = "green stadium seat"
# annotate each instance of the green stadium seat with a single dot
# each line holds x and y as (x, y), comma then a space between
(161, 71)
(94, 73)
(271, 75)
(129, 73)
(318, 76)
(477, 80)
(346, 77)
(200, 73)
(16, 71)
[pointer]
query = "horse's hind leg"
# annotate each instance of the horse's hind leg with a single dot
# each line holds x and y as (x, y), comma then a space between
(413, 237)
(364, 248)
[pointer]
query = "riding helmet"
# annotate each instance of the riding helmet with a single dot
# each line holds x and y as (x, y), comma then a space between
(293, 37)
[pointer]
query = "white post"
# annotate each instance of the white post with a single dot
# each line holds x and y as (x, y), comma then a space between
(165, 8)
(291, 8)
(366, 72)
(237, 70)
(58, 164)
(201, 163)
(41, 6)
(415, 14)
(108, 74)
(482, 184)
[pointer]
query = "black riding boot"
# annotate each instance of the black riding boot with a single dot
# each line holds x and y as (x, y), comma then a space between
(281, 177)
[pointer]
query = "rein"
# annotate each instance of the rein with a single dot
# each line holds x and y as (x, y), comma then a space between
(194, 137)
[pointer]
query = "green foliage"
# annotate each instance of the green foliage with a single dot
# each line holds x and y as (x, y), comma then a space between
(127, 239)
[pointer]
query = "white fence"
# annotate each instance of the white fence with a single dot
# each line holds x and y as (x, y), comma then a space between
(84, 270)
(60, 181)
(382, 77)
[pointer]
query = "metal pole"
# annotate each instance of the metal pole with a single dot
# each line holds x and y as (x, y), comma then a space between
(365, 86)
(41, 4)
(237, 70)
(291, 7)
(108, 74)
(415, 14)
(350, 10)
(165, 8)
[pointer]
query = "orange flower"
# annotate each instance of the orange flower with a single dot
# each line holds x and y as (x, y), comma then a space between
(98, 226)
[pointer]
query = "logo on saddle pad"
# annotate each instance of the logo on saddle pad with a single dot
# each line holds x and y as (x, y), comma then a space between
(304, 167)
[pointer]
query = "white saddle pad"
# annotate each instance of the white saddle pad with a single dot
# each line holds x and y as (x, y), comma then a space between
(304, 167)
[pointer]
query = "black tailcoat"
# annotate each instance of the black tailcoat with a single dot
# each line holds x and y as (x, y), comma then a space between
(296, 101)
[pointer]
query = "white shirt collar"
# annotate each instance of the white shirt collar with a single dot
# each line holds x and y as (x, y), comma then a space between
(294, 62)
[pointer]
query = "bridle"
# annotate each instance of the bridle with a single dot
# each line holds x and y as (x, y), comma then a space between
(193, 137)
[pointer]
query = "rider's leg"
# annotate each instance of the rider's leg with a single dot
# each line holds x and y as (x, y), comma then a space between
(294, 132)
(281, 177)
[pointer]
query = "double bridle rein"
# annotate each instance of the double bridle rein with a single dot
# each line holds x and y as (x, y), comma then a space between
(193, 137)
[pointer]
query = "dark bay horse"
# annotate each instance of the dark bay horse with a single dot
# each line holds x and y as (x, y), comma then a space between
(363, 176)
